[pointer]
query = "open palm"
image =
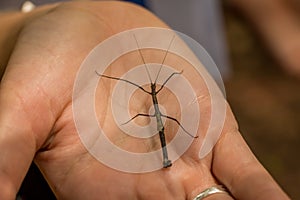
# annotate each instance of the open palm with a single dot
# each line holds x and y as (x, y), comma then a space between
(36, 119)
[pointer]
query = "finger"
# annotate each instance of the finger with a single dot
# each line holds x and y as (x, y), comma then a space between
(34, 91)
(27, 110)
(236, 167)
(17, 144)
(26, 119)
(220, 196)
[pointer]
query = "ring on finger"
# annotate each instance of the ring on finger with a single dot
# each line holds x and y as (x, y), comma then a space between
(218, 189)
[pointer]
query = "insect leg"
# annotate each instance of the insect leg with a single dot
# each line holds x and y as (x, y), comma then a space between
(120, 79)
(175, 120)
(166, 161)
(137, 115)
(174, 73)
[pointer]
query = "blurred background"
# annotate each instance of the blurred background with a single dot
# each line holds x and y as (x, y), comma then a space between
(256, 45)
(265, 98)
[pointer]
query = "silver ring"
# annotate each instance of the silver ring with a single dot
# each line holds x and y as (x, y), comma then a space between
(218, 189)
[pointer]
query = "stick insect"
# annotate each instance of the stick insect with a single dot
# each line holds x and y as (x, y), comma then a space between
(157, 113)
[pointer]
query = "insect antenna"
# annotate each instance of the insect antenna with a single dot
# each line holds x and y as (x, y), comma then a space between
(164, 58)
(139, 49)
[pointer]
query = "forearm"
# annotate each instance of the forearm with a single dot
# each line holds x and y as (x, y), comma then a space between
(11, 24)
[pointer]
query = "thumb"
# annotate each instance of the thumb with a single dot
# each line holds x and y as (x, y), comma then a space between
(33, 92)
(18, 125)
(20, 122)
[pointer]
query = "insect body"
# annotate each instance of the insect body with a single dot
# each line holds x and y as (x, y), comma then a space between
(157, 113)
(160, 126)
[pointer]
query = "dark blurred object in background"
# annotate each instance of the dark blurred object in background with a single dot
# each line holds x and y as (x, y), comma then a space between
(139, 2)
(34, 186)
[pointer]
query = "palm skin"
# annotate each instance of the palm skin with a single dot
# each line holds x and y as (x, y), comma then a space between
(36, 119)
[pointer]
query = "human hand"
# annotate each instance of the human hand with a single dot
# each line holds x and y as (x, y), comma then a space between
(36, 119)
